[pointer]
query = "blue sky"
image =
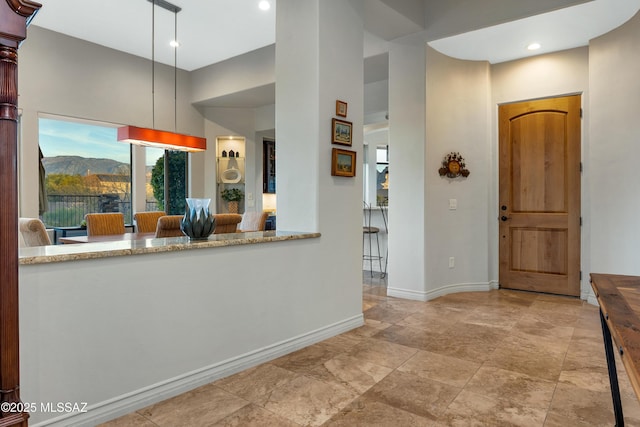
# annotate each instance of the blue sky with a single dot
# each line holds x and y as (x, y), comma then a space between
(62, 138)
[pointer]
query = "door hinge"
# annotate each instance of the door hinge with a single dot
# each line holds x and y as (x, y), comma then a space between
(580, 112)
(580, 221)
(580, 167)
(580, 274)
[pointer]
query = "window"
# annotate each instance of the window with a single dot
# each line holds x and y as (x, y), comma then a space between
(86, 170)
(382, 175)
(154, 178)
(176, 175)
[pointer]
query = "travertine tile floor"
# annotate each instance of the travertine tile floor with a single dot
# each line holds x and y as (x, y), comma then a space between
(498, 358)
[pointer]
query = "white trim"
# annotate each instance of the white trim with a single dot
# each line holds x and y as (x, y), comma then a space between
(130, 402)
(590, 298)
(406, 294)
(441, 291)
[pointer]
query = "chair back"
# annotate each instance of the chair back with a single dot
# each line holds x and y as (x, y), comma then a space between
(33, 232)
(169, 226)
(227, 223)
(102, 224)
(253, 221)
(147, 222)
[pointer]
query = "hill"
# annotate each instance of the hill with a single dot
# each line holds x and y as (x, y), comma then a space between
(76, 165)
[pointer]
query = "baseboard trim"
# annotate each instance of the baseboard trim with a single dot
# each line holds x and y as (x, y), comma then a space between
(441, 291)
(130, 402)
(590, 298)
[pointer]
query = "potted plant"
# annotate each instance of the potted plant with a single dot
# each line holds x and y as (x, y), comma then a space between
(232, 196)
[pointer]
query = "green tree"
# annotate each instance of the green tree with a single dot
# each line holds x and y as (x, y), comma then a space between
(59, 183)
(177, 182)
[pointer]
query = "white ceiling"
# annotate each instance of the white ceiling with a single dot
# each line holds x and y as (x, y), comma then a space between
(557, 30)
(213, 30)
(209, 31)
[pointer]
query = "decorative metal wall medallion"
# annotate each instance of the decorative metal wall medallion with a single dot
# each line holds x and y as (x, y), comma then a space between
(453, 165)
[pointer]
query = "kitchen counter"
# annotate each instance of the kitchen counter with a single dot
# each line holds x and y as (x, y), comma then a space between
(61, 253)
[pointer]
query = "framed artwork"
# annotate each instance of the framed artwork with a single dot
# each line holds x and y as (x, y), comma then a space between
(341, 108)
(341, 132)
(343, 163)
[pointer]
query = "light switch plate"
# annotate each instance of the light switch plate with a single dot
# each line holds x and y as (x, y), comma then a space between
(453, 204)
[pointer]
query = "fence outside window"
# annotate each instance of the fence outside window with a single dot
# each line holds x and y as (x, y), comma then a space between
(68, 210)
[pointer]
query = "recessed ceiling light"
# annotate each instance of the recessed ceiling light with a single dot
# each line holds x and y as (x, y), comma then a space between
(534, 46)
(174, 43)
(264, 5)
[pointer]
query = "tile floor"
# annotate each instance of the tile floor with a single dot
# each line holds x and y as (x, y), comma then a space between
(499, 358)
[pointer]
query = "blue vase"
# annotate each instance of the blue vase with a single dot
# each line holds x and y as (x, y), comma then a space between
(198, 223)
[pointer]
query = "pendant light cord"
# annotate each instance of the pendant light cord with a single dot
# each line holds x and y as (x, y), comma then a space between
(153, 65)
(175, 72)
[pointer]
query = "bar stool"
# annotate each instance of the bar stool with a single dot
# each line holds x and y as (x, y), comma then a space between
(383, 204)
(368, 231)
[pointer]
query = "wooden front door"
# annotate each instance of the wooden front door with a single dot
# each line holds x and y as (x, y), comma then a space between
(539, 212)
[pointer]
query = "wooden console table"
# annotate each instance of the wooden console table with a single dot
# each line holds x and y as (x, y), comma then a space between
(619, 299)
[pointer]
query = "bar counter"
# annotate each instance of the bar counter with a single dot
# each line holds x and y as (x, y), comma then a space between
(61, 253)
(121, 325)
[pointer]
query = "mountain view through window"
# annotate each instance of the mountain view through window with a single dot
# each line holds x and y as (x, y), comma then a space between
(86, 170)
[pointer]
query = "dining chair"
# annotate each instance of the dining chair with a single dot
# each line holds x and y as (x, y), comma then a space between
(101, 224)
(169, 226)
(33, 232)
(227, 223)
(147, 222)
(253, 221)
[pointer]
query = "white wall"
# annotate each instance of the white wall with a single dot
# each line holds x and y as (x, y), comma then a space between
(123, 332)
(452, 98)
(376, 97)
(457, 120)
(615, 132)
(251, 70)
(543, 76)
(230, 122)
(407, 157)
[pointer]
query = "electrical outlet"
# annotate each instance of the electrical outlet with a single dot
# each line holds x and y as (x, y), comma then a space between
(452, 262)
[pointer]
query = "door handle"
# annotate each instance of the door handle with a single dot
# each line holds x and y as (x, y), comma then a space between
(504, 218)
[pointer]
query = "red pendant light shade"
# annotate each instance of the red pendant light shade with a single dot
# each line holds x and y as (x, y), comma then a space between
(161, 139)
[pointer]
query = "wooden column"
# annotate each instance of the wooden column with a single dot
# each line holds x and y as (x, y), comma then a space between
(15, 15)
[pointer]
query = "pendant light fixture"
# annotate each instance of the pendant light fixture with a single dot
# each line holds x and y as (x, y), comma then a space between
(158, 138)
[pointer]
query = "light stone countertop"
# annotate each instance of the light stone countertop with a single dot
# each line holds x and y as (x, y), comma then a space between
(80, 251)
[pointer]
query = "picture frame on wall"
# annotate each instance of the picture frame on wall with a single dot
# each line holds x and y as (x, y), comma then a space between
(341, 131)
(341, 108)
(343, 162)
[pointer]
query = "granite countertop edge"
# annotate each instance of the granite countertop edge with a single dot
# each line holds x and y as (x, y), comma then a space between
(83, 251)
